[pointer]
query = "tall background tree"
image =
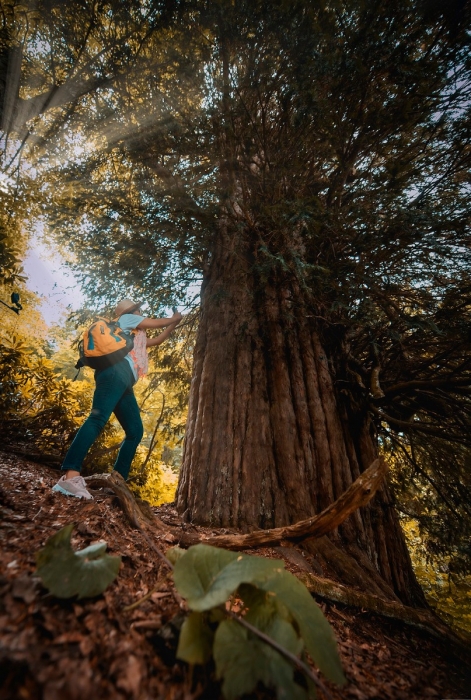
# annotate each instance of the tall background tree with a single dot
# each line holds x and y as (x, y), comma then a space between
(309, 162)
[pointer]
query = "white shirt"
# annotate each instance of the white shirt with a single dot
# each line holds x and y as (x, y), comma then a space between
(137, 358)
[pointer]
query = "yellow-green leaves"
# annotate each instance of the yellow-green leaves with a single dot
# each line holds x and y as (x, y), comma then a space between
(84, 573)
(271, 599)
(196, 639)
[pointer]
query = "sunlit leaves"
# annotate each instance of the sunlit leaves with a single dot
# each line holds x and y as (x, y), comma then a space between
(37, 405)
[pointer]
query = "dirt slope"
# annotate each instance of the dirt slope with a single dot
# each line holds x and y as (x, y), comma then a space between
(98, 649)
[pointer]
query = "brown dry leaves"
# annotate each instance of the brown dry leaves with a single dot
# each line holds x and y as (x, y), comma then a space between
(65, 650)
(61, 650)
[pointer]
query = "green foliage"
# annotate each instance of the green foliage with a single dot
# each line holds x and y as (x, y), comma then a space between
(66, 573)
(447, 591)
(10, 255)
(272, 600)
(243, 661)
(160, 482)
(340, 173)
(196, 639)
(35, 404)
(437, 500)
(38, 407)
(163, 399)
(207, 576)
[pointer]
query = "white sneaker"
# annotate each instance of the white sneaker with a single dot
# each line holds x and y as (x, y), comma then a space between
(72, 487)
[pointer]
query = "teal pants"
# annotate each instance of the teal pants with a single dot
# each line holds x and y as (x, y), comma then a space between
(113, 394)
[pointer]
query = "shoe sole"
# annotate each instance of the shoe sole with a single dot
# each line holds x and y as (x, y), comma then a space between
(59, 489)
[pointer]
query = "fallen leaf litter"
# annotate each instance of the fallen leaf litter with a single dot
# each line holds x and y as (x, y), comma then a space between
(121, 645)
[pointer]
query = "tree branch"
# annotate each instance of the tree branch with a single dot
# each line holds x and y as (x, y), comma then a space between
(420, 426)
(426, 384)
(359, 493)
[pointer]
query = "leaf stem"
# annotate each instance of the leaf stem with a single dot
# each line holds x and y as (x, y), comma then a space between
(284, 652)
(153, 547)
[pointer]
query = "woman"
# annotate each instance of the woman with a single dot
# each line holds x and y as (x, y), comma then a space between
(114, 394)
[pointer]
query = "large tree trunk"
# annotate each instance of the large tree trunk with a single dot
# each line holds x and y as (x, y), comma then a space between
(268, 441)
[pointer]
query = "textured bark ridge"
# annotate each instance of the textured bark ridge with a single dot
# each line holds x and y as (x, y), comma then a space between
(141, 516)
(359, 494)
(268, 441)
(373, 595)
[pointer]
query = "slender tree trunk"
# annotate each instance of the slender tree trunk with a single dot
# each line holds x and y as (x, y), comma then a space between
(268, 442)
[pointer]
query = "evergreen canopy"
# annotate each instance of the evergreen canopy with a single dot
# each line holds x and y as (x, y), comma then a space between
(331, 142)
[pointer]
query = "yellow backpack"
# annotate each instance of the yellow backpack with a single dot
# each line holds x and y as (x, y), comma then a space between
(104, 344)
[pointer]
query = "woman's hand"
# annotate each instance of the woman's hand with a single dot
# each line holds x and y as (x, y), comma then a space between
(149, 323)
(172, 324)
(176, 318)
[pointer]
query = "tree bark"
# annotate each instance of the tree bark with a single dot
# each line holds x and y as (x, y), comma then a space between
(269, 442)
(423, 619)
(359, 493)
(140, 515)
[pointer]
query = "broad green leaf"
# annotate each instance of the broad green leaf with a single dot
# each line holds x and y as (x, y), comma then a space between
(251, 595)
(197, 569)
(174, 553)
(196, 640)
(66, 573)
(242, 661)
(216, 615)
(281, 674)
(275, 627)
(258, 600)
(206, 576)
(266, 617)
(314, 628)
(94, 551)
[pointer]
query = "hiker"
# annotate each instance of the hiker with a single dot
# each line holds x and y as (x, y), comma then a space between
(114, 394)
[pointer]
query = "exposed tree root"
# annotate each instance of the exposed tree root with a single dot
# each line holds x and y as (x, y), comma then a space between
(359, 494)
(424, 619)
(352, 569)
(138, 514)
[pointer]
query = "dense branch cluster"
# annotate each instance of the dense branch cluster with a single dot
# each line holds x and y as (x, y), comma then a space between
(332, 142)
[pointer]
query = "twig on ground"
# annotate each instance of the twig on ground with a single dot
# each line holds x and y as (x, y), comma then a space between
(166, 561)
(138, 602)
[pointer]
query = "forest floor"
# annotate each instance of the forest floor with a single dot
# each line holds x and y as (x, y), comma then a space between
(96, 649)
